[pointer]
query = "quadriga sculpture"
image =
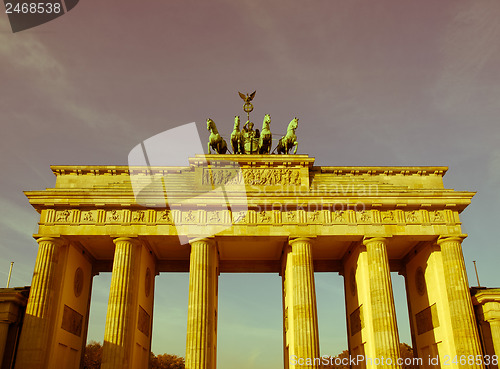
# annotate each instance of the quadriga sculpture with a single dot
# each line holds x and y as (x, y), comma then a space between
(288, 141)
(236, 138)
(266, 138)
(215, 141)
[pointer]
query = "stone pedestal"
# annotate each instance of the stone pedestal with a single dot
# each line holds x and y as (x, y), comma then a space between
(201, 341)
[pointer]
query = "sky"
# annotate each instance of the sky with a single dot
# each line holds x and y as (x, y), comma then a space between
(384, 82)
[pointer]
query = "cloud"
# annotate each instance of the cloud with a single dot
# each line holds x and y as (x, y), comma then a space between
(41, 81)
(17, 225)
(468, 44)
(493, 171)
(27, 55)
(13, 218)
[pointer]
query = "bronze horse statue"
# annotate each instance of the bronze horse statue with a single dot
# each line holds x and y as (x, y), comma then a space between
(236, 137)
(288, 141)
(215, 140)
(266, 137)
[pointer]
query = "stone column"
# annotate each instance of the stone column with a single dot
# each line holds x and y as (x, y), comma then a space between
(465, 332)
(119, 332)
(495, 335)
(201, 341)
(37, 326)
(300, 305)
(385, 331)
(11, 301)
(4, 330)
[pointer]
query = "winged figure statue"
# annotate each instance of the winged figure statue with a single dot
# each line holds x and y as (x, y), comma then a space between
(248, 97)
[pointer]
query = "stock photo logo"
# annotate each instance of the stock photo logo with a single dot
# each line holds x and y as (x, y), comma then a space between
(25, 14)
(157, 181)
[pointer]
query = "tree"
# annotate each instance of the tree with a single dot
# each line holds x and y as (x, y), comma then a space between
(343, 355)
(405, 350)
(407, 354)
(166, 361)
(92, 356)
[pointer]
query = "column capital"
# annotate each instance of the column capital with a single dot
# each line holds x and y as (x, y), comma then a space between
(368, 240)
(209, 240)
(490, 311)
(292, 240)
(448, 238)
(10, 302)
(54, 239)
(130, 239)
(492, 317)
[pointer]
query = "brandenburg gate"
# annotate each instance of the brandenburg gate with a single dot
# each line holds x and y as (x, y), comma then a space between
(278, 214)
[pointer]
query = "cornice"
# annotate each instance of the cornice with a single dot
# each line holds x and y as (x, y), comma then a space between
(484, 295)
(299, 160)
(397, 199)
(382, 170)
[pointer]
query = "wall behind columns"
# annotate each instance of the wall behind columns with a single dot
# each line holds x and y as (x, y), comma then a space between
(357, 292)
(430, 316)
(143, 317)
(287, 293)
(71, 322)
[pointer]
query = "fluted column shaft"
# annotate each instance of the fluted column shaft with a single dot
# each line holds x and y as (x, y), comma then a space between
(305, 318)
(33, 346)
(118, 333)
(495, 335)
(462, 317)
(201, 328)
(382, 302)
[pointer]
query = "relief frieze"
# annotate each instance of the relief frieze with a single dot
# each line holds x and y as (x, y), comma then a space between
(314, 216)
(302, 216)
(138, 216)
(88, 217)
(412, 217)
(190, 216)
(164, 216)
(215, 217)
(239, 217)
(339, 216)
(388, 216)
(63, 216)
(363, 216)
(291, 216)
(114, 216)
(265, 216)
(263, 177)
(437, 217)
